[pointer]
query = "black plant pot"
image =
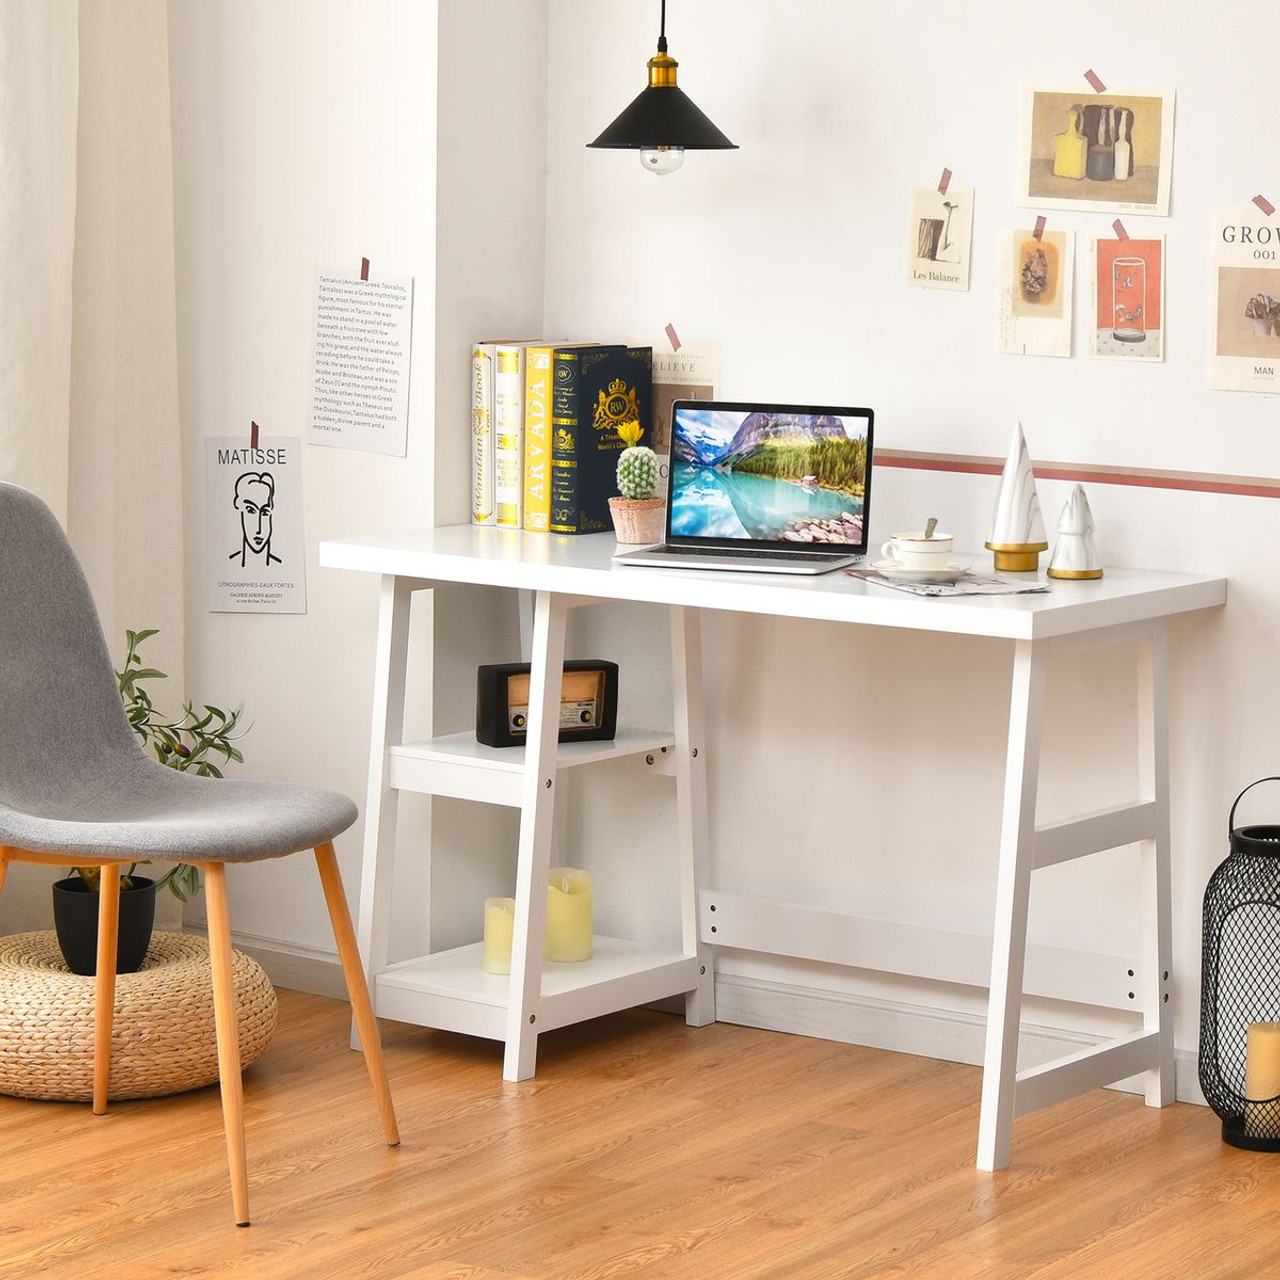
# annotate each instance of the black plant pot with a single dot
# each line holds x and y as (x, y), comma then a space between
(75, 918)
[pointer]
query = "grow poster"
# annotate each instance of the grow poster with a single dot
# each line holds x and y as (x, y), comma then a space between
(1244, 319)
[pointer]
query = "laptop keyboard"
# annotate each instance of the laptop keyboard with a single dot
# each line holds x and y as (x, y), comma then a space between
(746, 553)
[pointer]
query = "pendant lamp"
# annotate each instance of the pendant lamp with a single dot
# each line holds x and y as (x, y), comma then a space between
(662, 123)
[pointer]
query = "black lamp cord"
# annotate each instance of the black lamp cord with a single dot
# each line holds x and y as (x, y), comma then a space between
(662, 30)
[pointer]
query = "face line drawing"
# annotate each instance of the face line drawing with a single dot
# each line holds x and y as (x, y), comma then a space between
(255, 501)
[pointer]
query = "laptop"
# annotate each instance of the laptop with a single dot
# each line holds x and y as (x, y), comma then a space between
(764, 488)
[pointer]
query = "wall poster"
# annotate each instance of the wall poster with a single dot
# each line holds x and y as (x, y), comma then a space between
(1244, 319)
(1035, 279)
(1109, 152)
(360, 374)
(939, 237)
(255, 550)
(1127, 287)
(692, 372)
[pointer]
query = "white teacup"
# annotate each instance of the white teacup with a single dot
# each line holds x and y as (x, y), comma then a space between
(915, 551)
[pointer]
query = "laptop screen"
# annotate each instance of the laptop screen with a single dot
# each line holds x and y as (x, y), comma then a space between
(781, 476)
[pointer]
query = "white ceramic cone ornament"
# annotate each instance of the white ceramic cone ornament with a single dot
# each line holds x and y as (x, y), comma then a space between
(1074, 554)
(1017, 530)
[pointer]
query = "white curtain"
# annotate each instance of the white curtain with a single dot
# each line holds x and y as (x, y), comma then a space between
(38, 102)
(88, 360)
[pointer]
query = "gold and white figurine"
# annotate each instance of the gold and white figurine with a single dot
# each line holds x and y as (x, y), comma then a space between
(1074, 554)
(1017, 530)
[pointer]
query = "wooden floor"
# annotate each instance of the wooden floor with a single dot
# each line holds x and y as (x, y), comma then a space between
(643, 1148)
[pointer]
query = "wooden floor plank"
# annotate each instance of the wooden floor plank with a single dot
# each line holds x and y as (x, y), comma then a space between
(642, 1148)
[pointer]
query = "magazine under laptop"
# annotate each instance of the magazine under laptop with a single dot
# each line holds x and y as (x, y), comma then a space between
(764, 488)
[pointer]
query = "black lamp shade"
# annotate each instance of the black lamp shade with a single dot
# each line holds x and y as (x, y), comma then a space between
(663, 117)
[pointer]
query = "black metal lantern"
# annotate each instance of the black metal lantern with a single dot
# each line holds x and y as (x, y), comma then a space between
(1240, 987)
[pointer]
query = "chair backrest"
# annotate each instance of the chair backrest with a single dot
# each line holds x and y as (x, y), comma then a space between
(63, 730)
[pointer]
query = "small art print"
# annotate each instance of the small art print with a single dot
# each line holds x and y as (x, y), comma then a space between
(939, 238)
(1109, 152)
(1128, 299)
(1244, 330)
(1036, 293)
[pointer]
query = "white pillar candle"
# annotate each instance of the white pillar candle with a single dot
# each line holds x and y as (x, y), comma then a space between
(1262, 1081)
(568, 915)
(499, 921)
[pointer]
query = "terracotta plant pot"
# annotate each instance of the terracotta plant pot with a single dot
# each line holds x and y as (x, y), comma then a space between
(639, 521)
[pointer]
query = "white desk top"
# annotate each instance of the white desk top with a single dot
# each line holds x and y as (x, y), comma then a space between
(582, 566)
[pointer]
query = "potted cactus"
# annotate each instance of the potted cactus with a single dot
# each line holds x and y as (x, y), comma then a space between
(638, 515)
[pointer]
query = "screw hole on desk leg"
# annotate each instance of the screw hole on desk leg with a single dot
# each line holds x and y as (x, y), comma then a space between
(648, 759)
(714, 929)
(702, 969)
(1166, 997)
(713, 906)
(663, 750)
(1130, 995)
(1131, 973)
(533, 1017)
(1166, 975)
(547, 784)
(695, 753)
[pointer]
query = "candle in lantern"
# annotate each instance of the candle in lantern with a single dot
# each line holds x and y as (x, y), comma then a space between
(568, 915)
(499, 921)
(1262, 1081)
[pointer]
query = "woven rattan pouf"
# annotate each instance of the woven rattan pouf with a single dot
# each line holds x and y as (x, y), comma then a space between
(163, 1036)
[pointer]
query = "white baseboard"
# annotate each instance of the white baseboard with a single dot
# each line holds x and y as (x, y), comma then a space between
(775, 1006)
(906, 1028)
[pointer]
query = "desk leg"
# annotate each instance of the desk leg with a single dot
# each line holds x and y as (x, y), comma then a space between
(1157, 951)
(382, 802)
(537, 810)
(1008, 949)
(691, 803)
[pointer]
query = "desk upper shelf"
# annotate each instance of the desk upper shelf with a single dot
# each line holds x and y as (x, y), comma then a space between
(582, 566)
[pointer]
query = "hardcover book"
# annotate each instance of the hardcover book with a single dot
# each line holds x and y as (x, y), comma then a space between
(482, 443)
(594, 390)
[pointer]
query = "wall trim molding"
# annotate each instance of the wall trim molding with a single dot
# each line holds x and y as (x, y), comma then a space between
(1095, 473)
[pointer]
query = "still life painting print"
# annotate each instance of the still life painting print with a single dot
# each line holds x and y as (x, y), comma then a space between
(1109, 152)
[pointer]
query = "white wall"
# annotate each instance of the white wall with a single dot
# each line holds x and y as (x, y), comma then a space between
(791, 252)
(304, 137)
(310, 135)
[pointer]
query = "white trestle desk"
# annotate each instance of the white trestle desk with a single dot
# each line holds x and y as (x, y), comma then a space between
(449, 989)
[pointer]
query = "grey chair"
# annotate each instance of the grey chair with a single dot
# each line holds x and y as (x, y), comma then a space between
(76, 789)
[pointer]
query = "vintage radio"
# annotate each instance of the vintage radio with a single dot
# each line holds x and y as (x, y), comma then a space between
(588, 702)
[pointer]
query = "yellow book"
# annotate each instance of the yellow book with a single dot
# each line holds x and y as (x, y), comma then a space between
(537, 443)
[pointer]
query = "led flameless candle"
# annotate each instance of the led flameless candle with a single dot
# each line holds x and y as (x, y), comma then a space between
(499, 921)
(568, 915)
(1262, 1081)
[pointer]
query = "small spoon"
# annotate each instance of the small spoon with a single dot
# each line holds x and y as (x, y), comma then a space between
(930, 525)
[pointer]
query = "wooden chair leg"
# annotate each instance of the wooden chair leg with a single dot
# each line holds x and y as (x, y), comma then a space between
(104, 991)
(4, 870)
(228, 1034)
(357, 987)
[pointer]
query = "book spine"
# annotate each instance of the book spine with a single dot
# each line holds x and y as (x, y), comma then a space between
(566, 440)
(508, 430)
(537, 441)
(482, 442)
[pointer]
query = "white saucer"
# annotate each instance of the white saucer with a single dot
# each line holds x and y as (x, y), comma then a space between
(952, 571)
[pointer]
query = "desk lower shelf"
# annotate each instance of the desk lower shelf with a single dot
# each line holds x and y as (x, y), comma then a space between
(458, 766)
(450, 989)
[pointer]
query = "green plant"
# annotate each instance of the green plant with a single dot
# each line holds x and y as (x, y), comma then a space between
(192, 743)
(637, 464)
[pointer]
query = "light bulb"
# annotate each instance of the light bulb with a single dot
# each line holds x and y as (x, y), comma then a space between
(661, 160)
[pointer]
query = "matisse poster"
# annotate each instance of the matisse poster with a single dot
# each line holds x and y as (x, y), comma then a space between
(1244, 320)
(255, 550)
